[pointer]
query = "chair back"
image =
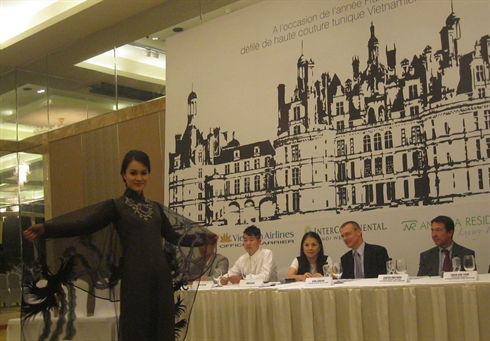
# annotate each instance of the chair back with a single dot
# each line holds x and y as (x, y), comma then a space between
(4, 290)
(4, 283)
(15, 288)
(14, 280)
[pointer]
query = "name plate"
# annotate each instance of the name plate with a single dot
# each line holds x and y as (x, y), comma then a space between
(461, 276)
(202, 285)
(398, 278)
(318, 282)
(251, 283)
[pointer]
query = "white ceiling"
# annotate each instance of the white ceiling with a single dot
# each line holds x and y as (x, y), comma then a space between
(22, 18)
(139, 32)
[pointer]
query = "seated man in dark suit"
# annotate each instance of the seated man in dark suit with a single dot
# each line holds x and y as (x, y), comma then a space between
(433, 261)
(364, 260)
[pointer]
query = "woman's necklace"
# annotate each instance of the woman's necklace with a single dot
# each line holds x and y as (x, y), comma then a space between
(145, 210)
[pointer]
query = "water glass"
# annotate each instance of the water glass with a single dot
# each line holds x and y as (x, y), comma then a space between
(401, 266)
(456, 264)
(337, 269)
(469, 262)
(326, 270)
(390, 267)
(246, 273)
(217, 277)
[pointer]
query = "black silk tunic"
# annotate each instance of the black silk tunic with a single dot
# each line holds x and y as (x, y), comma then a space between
(147, 296)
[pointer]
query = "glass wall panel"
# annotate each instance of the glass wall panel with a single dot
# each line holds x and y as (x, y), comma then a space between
(8, 106)
(21, 205)
(32, 104)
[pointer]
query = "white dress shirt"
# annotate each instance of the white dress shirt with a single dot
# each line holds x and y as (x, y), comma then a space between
(260, 265)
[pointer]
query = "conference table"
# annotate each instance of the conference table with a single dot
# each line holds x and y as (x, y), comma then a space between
(424, 308)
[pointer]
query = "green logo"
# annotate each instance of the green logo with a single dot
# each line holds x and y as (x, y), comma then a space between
(409, 225)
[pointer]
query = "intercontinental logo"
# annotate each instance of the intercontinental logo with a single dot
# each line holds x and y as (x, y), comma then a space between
(328, 233)
(269, 238)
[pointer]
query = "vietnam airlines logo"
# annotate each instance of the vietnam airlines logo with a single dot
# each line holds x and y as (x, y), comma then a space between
(225, 238)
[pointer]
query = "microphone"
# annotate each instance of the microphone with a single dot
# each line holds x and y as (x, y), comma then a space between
(287, 280)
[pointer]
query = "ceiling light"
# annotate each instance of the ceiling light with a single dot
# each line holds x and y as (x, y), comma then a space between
(22, 170)
(154, 38)
(41, 91)
(178, 29)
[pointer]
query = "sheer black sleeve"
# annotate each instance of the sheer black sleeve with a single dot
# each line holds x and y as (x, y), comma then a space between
(86, 223)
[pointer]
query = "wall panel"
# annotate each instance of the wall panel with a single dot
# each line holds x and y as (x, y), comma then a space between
(143, 134)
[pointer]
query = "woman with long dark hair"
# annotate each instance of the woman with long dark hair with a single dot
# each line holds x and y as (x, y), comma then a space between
(311, 259)
(147, 292)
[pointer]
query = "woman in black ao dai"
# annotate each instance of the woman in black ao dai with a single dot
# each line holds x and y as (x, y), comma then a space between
(147, 295)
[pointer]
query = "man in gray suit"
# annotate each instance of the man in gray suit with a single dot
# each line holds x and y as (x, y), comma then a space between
(438, 259)
(208, 262)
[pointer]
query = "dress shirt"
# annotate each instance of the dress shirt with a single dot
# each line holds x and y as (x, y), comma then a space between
(260, 265)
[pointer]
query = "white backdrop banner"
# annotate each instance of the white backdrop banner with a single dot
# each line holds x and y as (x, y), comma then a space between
(301, 115)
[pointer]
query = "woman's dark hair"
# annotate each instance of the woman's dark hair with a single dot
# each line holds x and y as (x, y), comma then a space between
(303, 264)
(134, 155)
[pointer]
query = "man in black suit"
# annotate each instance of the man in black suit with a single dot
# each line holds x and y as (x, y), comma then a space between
(364, 260)
(432, 261)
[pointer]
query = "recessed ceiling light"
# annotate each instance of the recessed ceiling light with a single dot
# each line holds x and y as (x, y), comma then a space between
(178, 29)
(41, 91)
(27, 89)
(154, 38)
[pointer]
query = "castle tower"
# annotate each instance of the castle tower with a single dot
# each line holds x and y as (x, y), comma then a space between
(373, 47)
(191, 106)
(450, 34)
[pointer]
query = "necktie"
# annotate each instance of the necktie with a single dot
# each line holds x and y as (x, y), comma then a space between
(446, 265)
(358, 263)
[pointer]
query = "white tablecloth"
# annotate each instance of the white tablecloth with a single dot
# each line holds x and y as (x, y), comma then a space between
(424, 309)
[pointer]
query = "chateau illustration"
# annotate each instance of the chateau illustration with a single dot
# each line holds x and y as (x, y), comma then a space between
(409, 132)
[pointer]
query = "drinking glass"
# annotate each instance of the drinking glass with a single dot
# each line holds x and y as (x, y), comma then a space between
(469, 262)
(390, 267)
(401, 266)
(217, 276)
(326, 270)
(245, 273)
(337, 270)
(456, 264)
